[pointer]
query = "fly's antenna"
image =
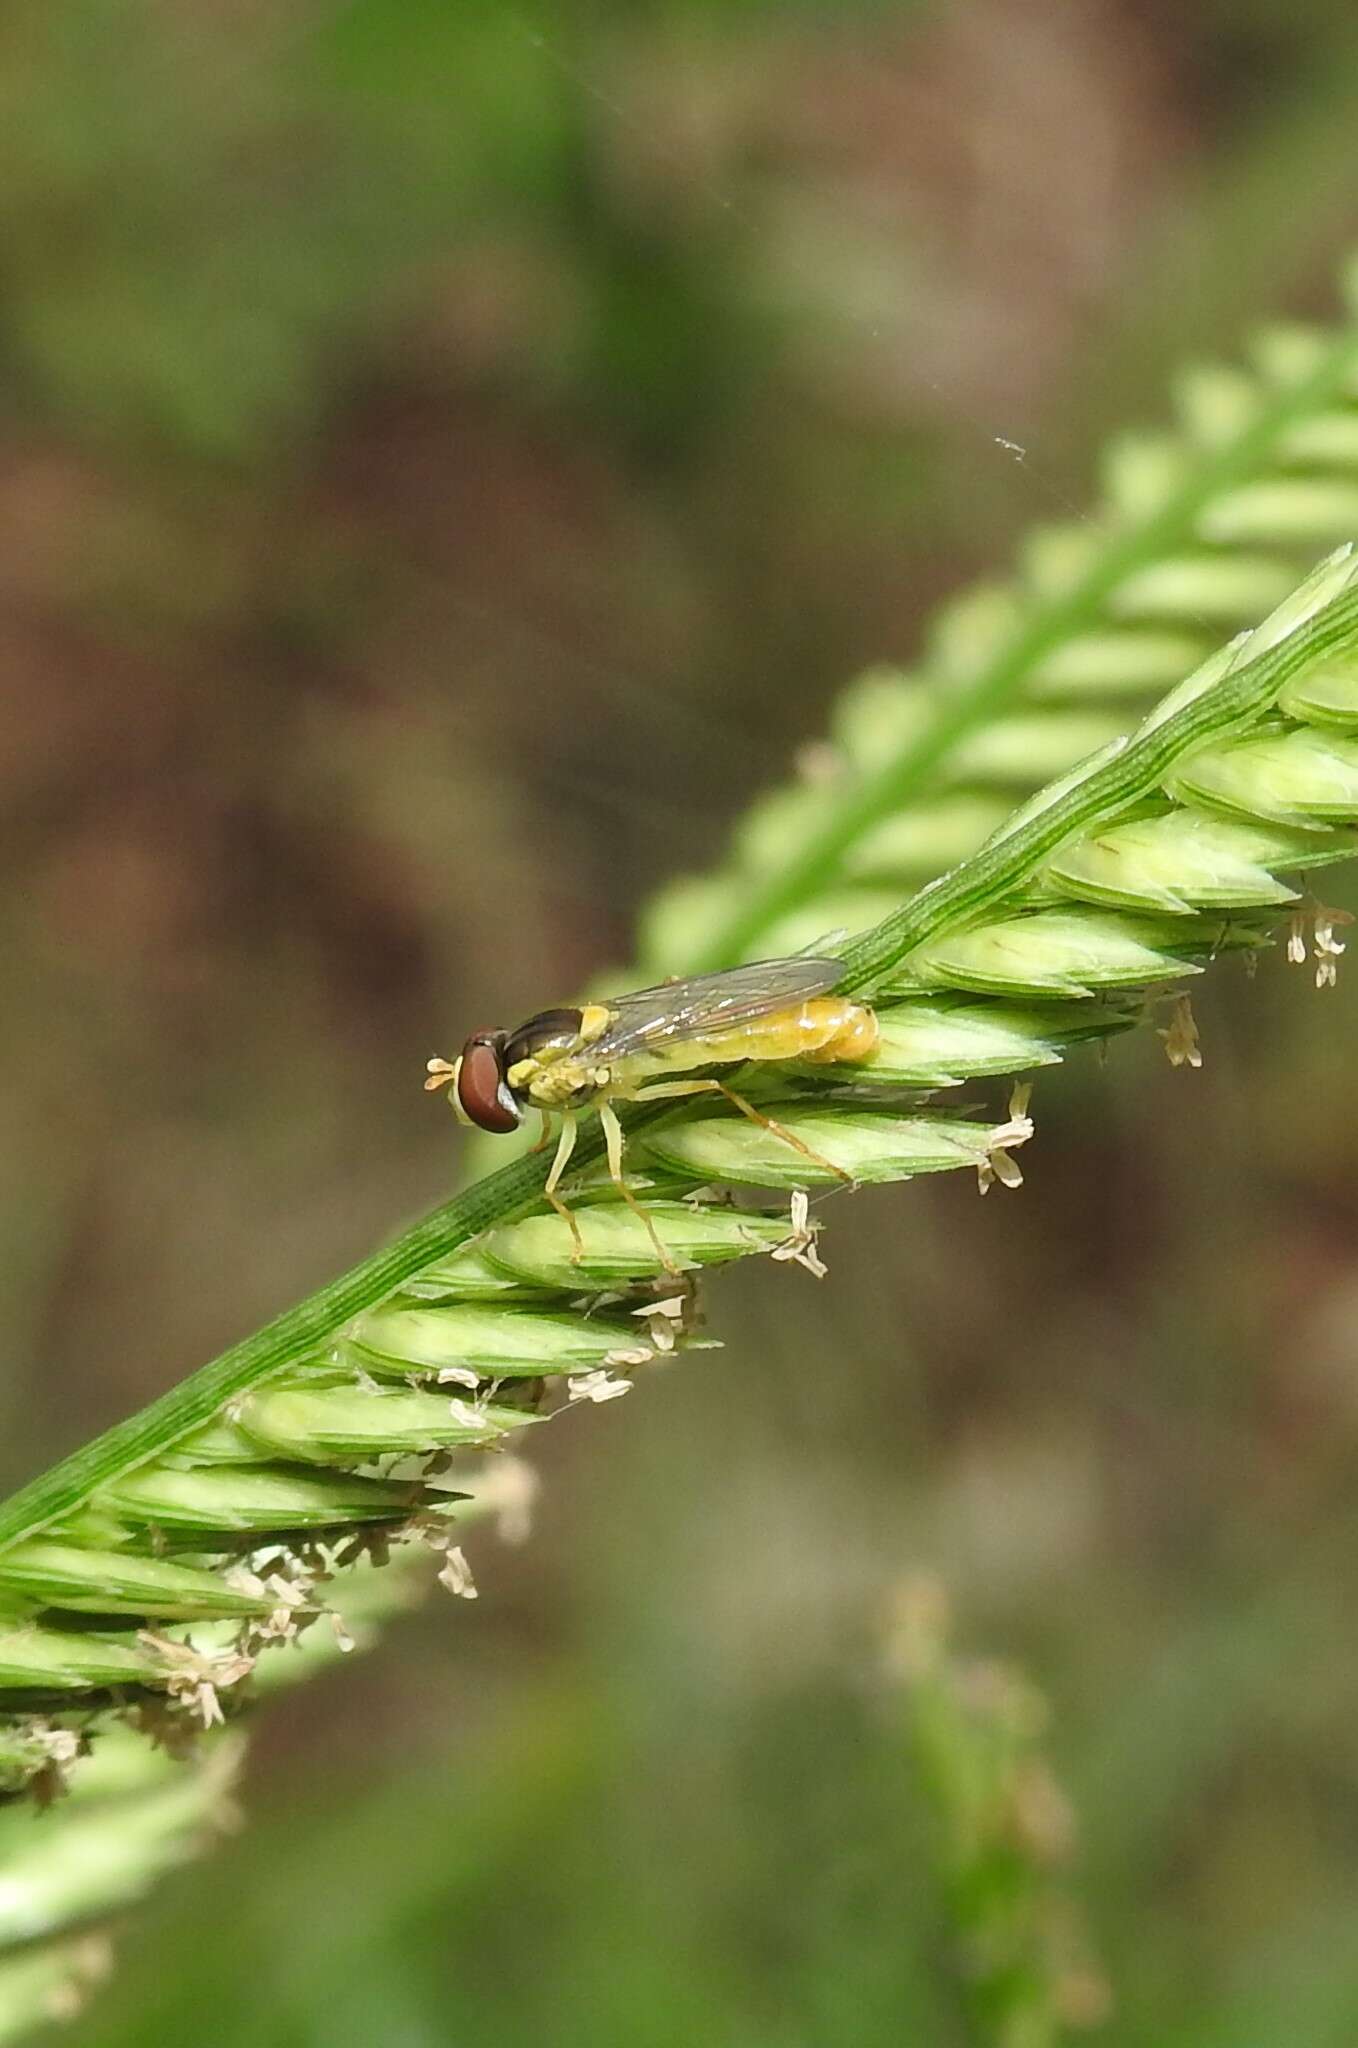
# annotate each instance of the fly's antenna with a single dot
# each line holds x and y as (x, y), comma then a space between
(441, 1073)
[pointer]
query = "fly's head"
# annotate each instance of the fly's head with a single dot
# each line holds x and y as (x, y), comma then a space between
(478, 1083)
(500, 1073)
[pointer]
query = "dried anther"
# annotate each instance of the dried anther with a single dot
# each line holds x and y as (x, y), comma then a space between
(59, 1749)
(194, 1681)
(458, 1376)
(624, 1355)
(663, 1319)
(799, 1247)
(456, 1575)
(1326, 950)
(465, 1414)
(596, 1386)
(997, 1164)
(1180, 1036)
(292, 1599)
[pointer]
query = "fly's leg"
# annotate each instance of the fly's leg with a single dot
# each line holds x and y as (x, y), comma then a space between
(545, 1135)
(712, 1086)
(781, 1131)
(565, 1147)
(612, 1130)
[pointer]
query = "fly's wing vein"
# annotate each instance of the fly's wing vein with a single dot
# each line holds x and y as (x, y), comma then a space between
(677, 1010)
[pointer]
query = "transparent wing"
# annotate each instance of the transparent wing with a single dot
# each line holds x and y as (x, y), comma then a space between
(676, 1010)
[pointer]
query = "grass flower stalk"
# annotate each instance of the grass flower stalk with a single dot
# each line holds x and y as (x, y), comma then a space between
(326, 1436)
(143, 1579)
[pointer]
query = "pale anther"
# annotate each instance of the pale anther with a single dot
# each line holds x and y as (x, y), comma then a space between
(1180, 1037)
(458, 1376)
(997, 1164)
(456, 1575)
(595, 1386)
(1328, 949)
(799, 1246)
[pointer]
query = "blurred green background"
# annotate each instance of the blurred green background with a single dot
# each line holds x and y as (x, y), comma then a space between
(451, 455)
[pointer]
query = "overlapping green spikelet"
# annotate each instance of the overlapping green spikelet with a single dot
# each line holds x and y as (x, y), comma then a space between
(1326, 695)
(349, 1423)
(1200, 530)
(1181, 859)
(257, 1503)
(69, 1575)
(616, 1249)
(1295, 774)
(938, 1044)
(487, 1343)
(219, 1442)
(1052, 952)
(817, 1147)
(69, 1661)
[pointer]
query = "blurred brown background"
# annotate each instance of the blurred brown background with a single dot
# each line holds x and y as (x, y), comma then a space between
(451, 456)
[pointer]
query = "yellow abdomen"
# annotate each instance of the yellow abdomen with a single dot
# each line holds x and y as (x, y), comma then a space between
(823, 1028)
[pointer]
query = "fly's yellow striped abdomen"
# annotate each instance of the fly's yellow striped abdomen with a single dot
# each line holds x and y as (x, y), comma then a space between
(854, 1035)
(824, 1029)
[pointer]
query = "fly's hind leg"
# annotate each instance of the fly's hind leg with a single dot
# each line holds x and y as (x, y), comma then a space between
(710, 1085)
(565, 1147)
(781, 1131)
(613, 1141)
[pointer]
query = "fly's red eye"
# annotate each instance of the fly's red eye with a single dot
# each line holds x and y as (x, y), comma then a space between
(481, 1086)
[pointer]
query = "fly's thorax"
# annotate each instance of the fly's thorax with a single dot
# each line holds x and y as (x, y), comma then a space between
(561, 1083)
(546, 1059)
(548, 1036)
(595, 1019)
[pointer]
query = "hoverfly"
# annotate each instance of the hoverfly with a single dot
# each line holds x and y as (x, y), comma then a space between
(562, 1061)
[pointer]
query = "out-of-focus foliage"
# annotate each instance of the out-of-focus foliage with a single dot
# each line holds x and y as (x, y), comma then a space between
(450, 456)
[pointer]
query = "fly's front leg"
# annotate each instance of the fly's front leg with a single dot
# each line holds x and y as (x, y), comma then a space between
(565, 1147)
(713, 1086)
(613, 1142)
(545, 1134)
